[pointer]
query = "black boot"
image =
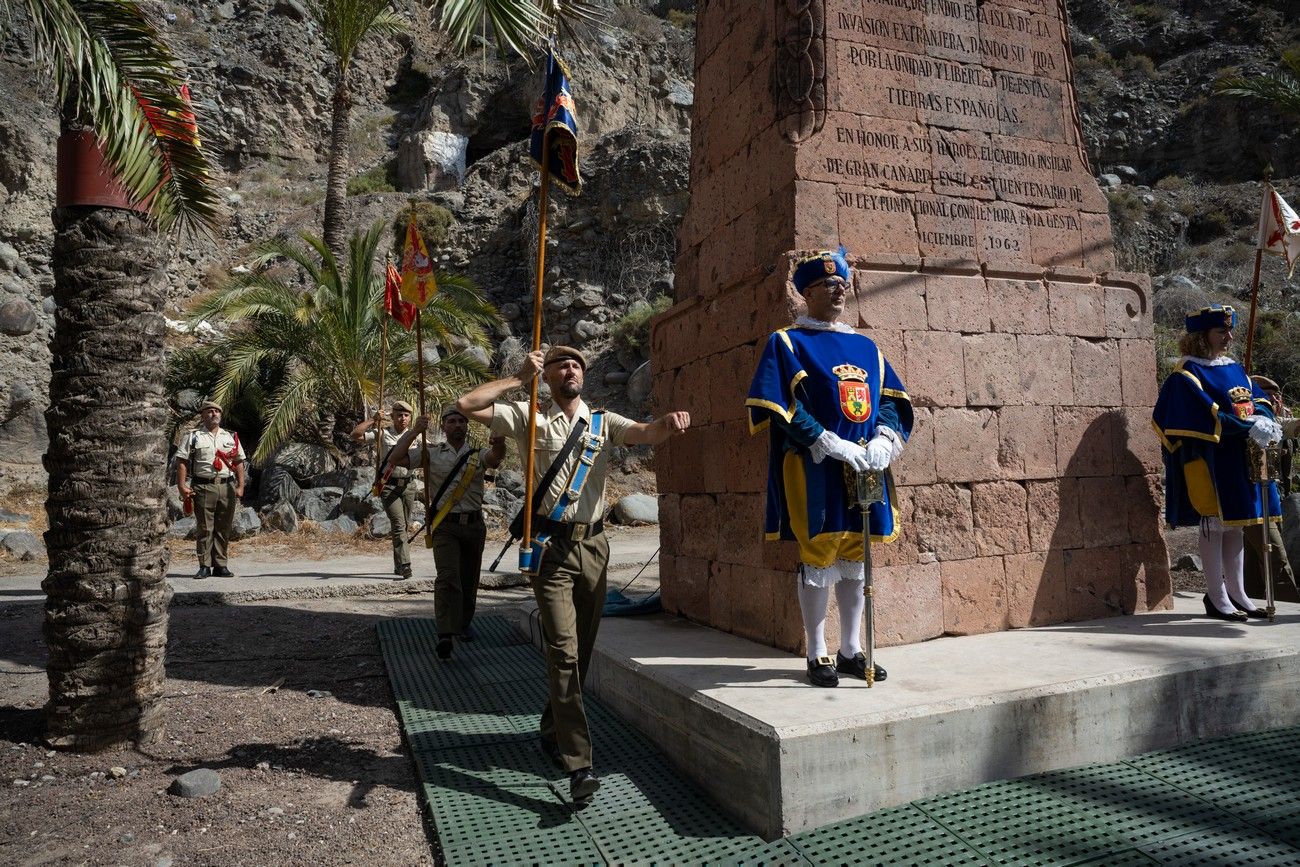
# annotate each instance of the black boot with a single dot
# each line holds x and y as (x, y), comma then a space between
(822, 673)
(1211, 611)
(583, 783)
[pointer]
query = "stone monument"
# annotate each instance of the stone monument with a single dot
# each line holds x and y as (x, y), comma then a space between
(939, 141)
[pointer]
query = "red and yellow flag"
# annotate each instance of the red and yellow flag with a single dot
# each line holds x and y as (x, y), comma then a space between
(394, 306)
(418, 283)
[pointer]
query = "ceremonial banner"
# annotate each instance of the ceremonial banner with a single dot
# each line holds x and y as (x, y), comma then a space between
(394, 306)
(418, 283)
(1279, 229)
(555, 127)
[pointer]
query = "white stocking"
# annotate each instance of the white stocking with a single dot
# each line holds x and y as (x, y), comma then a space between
(1210, 542)
(813, 600)
(1234, 567)
(848, 595)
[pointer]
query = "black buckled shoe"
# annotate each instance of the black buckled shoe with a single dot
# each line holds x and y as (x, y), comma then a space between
(204, 572)
(222, 572)
(857, 667)
(404, 573)
(443, 648)
(1211, 611)
(583, 783)
(1256, 613)
(822, 673)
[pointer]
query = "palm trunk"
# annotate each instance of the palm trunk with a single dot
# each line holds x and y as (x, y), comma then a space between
(336, 187)
(107, 594)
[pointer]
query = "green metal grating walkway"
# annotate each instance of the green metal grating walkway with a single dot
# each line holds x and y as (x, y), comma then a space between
(495, 799)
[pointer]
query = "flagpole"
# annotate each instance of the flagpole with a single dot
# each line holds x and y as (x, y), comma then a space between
(383, 364)
(527, 542)
(1254, 300)
(424, 434)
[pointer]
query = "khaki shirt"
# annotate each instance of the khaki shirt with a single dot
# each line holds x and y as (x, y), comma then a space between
(553, 427)
(390, 440)
(199, 448)
(442, 457)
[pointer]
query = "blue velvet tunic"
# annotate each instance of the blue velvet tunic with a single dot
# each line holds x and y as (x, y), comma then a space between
(1202, 417)
(842, 380)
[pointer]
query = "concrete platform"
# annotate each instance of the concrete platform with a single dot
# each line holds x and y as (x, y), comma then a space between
(784, 757)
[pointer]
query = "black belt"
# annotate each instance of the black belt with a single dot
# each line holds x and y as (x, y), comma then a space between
(570, 531)
(463, 518)
(213, 479)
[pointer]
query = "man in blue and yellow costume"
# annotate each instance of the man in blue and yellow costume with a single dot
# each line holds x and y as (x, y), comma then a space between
(830, 400)
(1207, 411)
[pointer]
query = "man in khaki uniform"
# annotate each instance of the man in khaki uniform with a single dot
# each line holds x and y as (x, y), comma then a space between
(570, 584)
(398, 495)
(210, 473)
(459, 537)
(1284, 583)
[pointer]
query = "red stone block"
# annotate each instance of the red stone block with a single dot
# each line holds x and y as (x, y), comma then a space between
(1003, 233)
(1046, 376)
(753, 610)
(1127, 315)
(1018, 306)
(974, 596)
(1146, 508)
(1028, 447)
(670, 524)
(943, 520)
(957, 303)
(1036, 594)
(890, 343)
(1137, 449)
(1031, 105)
(869, 219)
(1096, 365)
(1152, 588)
(722, 593)
(699, 517)
(857, 82)
(1077, 309)
(958, 165)
(788, 626)
(994, 369)
(944, 230)
(1053, 507)
(744, 461)
(909, 604)
(1058, 238)
(903, 551)
(691, 390)
(1095, 579)
(1137, 365)
(856, 150)
(916, 465)
(1085, 440)
(690, 588)
(714, 453)
(936, 368)
(817, 215)
(1098, 246)
(740, 529)
(966, 445)
(661, 391)
(1103, 511)
(1001, 518)
(889, 299)
(729, 374)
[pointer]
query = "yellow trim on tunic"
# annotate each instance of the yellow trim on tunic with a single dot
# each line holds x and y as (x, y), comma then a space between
(1250, 522)
(1165, 435)
(1200, 488)
(825, 548)
(894, 392)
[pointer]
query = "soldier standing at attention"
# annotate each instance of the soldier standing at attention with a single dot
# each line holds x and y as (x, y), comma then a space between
(569, 584)
(456, 473)
(214, 460)
(397, 495)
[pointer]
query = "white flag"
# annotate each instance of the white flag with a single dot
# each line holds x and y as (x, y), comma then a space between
(1279, 229)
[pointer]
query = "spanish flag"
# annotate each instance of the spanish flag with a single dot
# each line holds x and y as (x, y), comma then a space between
(1279, 229)
(555, 128)
(394, 306)
(418, 283)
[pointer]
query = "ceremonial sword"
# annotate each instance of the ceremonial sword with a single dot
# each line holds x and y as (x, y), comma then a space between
(867, 487)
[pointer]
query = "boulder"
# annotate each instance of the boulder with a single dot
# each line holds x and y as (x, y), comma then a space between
(17, 317)
(342, 525)
(1188, 562)
(318, 504)
(359, 504)
(22, 544)
(7, 517)
(343, 477)
(304, 460)
(198, 783)
(635, 509)
(246, 524)
(185, 528)
(380, 527)
(175, 504)
(512, 481)
(277, 485)
(281, 517)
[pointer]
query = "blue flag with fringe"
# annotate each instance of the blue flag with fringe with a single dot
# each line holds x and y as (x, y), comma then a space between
(555, 127)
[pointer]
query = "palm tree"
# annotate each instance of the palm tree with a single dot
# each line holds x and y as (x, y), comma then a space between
(345, 24)
(1281, 88)
(119, 89)
(309, 354)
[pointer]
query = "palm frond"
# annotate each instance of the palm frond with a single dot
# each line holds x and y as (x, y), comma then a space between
(1280, 88)
(285, 410)
(518, 25)
(109, 63)
(346, 23)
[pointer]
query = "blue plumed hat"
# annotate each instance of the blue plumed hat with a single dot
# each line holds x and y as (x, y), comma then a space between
(1214, 316)
(819, 266)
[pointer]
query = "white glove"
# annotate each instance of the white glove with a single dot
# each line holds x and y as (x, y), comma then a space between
(880, 451)
(830, 445)
(1264, 431)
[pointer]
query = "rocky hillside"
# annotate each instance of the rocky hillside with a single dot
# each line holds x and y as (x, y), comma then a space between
(1181, 166)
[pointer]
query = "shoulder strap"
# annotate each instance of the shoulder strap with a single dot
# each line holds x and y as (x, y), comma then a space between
(595, 441)
(544, 485)
(451, 474)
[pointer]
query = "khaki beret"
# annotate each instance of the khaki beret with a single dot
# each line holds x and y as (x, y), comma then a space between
(402, 406)
(450, 409)
(210, 404)
(561, 353)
